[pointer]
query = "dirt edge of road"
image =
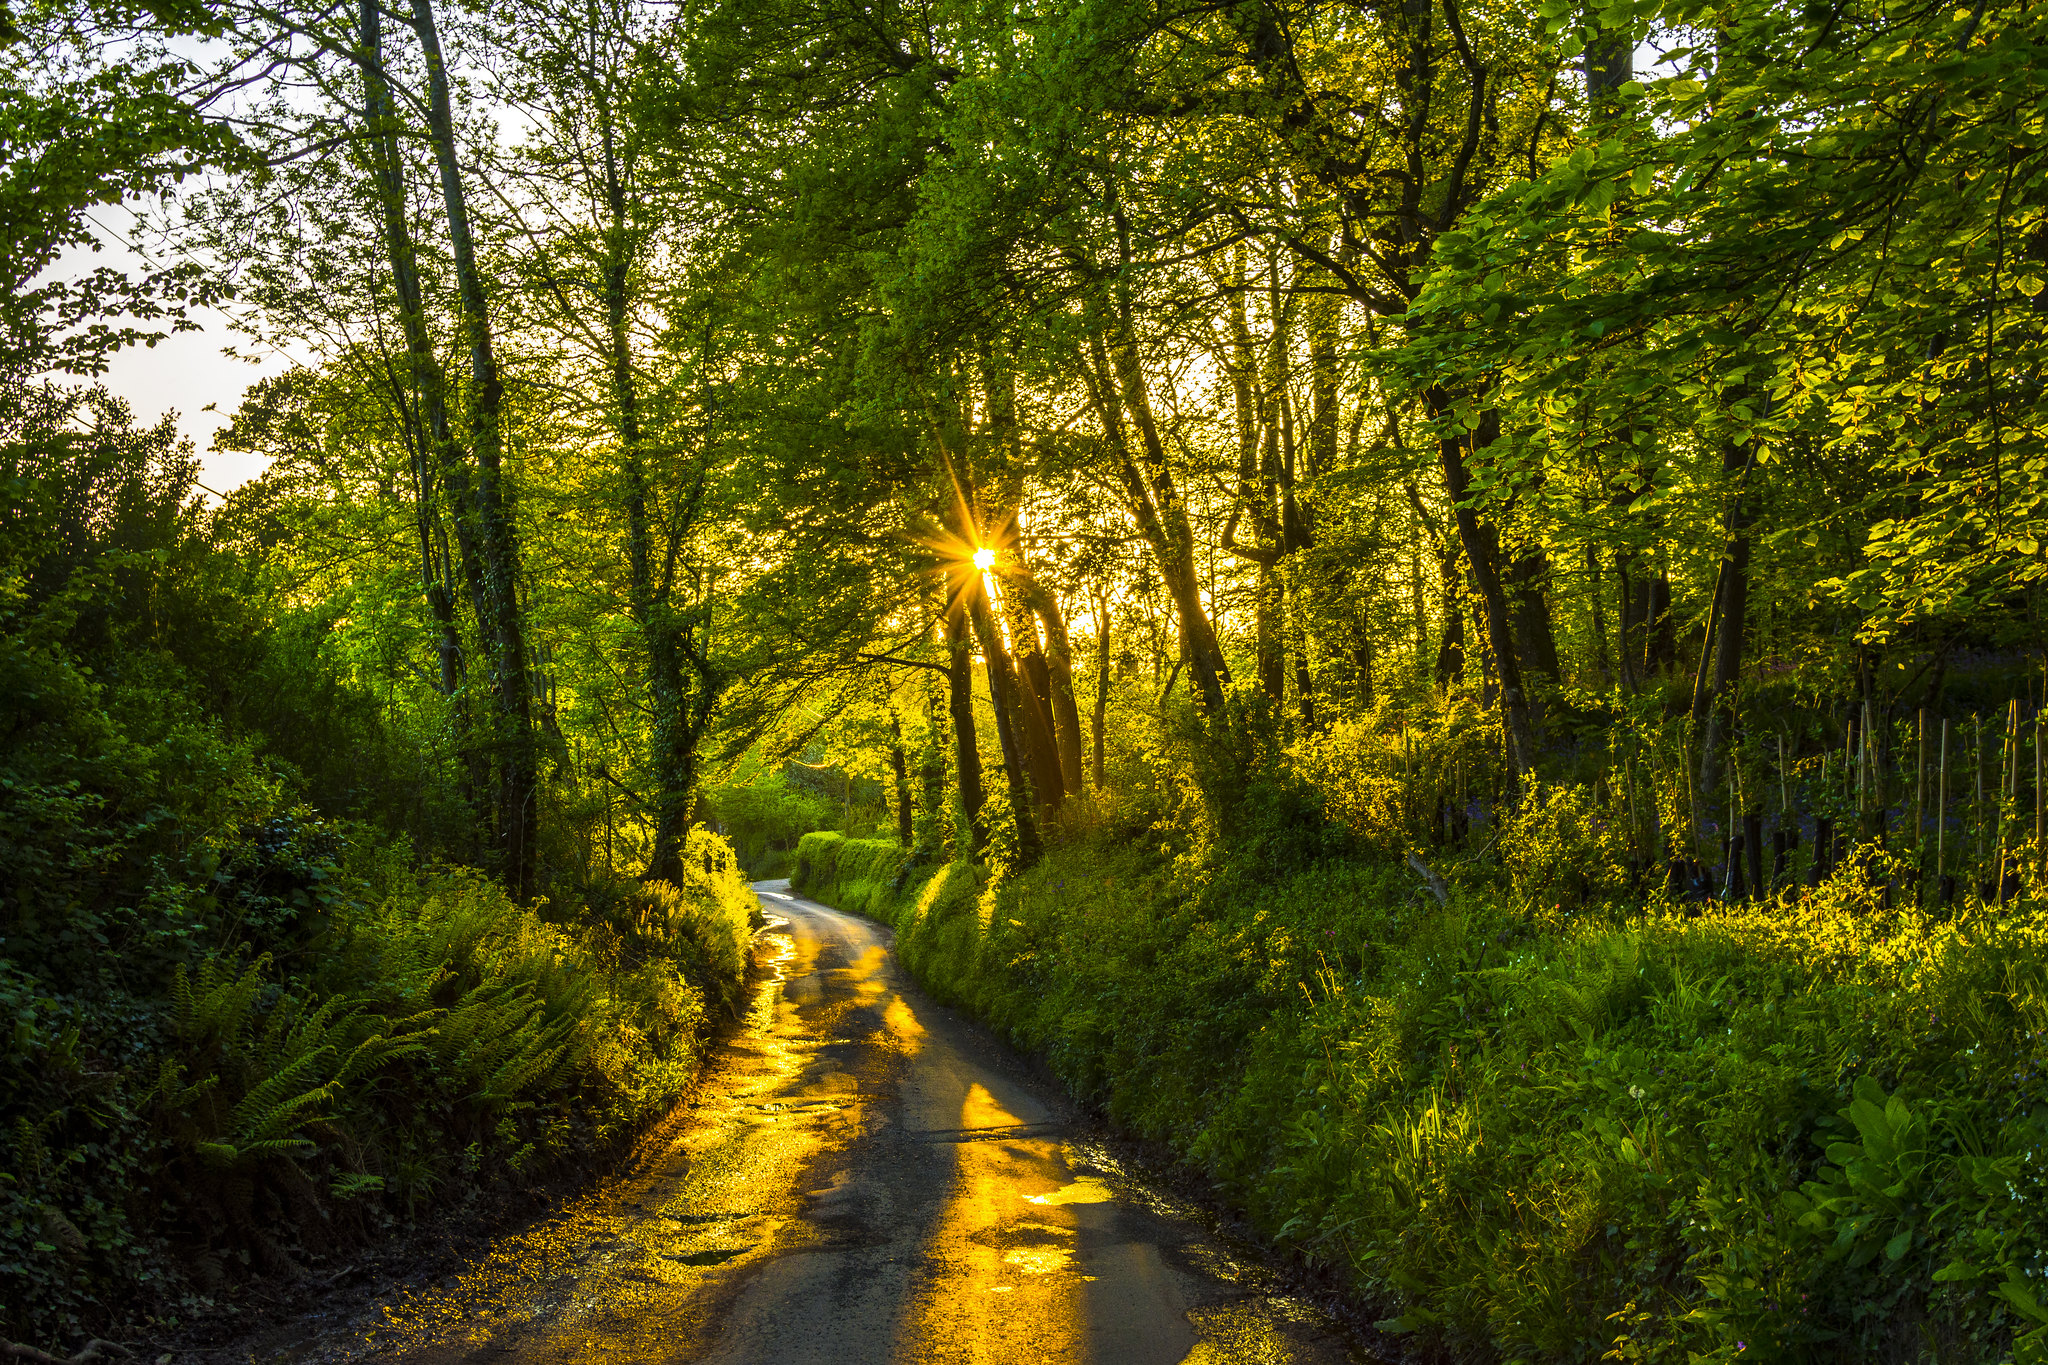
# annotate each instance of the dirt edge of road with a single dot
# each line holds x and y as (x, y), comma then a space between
(259, 1309)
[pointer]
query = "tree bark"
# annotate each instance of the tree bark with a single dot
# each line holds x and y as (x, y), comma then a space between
(1100, 719)
(1304, 684)
(1268, 612)
(899, 763)
(932, 765)
(1011, 713)
(1040, 728)
(1631, 635)
(960, 707)
(1450, 650)
(439, 454)
(1661, 643)
(1528, 584)
(680, 694)
(1059, 660)
(1153, 501)
(496, 537)
(1481, 544)
(1721, 661)
(998, 484)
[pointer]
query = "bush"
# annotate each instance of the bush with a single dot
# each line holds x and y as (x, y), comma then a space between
(1560, 851)
(855, 874)
(242, 1030)
(444, 1041)
(1778, 1131)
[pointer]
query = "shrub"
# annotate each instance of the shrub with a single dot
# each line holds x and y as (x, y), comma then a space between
(1804, 1130)
(1560, 851)
(854, 874)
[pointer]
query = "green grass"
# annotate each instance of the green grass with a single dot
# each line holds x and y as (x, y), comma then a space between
(1810, 1132)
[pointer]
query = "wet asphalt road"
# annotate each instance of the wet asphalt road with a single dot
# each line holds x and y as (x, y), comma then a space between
(865, 1179)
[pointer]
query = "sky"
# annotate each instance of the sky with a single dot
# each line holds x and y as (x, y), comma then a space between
(185, 373)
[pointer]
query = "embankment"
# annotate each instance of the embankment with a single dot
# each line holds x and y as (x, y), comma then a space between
(1810, 1131)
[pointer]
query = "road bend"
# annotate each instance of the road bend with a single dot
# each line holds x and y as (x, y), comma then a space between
(865, 1178)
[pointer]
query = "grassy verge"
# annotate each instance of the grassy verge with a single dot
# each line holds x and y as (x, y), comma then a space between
(1776, 1132)
(251, 1013)
(418, 1040)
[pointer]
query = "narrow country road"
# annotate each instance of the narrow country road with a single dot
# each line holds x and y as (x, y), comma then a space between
(865, 1178)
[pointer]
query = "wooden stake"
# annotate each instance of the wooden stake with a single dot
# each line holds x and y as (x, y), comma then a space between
(1979, 844)
(2008, 787)
(1941, 806)
(1920, 784)
(1868, 793)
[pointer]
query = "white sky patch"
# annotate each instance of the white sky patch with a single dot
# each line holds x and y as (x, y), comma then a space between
(187, 373)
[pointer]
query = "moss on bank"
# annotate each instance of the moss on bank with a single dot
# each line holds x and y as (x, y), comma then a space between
(1792, 1132)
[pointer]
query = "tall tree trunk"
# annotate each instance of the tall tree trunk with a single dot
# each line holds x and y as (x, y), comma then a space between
(1450, 650)
(1713, 702)
(1012, 711)
(440, 456)
(1059, 659)
(960, 707)
(677, 692)
(1268, 611)
(996, 484)
(1630, 630)
(1034, 673)
(1481, 543)
(1154, 502)
(1100, 719)
(1528, 588)
(496, 537)
(899, 764)
(1600, 659)
(1324, 311)
(1661, 634)
(932, 766)
(1304, 683)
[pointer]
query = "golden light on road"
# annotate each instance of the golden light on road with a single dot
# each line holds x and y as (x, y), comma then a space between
(984, 559)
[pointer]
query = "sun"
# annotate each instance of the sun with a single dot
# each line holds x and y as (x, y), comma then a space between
(984, 559)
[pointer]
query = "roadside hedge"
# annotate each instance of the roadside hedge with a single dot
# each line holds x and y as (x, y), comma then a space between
(1812, 1131)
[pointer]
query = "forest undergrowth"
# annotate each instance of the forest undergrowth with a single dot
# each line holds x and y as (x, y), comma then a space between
(255, 1016)
(1558, 1114)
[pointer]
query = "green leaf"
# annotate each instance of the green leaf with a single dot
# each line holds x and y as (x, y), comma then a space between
(2022, 1298)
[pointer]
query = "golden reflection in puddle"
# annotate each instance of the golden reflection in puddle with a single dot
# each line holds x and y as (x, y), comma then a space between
(980, 1110)
(990, 1243)
(1086, 1189)
(902, 1022)
(761, 1017)
(1039, 1260)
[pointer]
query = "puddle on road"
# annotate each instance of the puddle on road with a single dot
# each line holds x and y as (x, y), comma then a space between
(634, 1248)
(1085, 1189)
(647, 1266)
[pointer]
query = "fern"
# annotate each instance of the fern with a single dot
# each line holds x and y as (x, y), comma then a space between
(285, 1069)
